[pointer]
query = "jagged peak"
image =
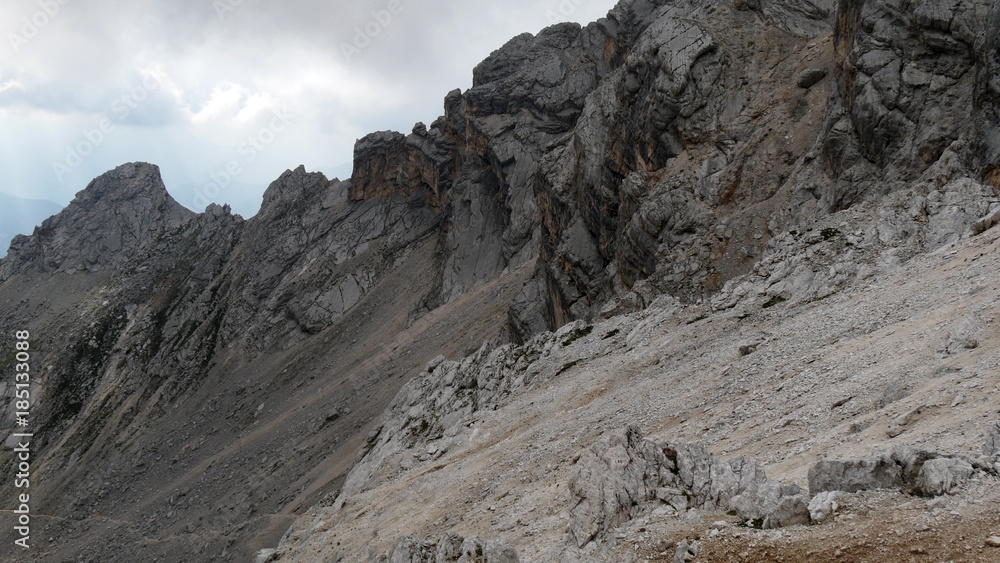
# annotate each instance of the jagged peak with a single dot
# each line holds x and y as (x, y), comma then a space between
(125, 182)
(292, 185)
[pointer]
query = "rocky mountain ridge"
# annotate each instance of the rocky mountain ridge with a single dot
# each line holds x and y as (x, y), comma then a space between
(203, 380)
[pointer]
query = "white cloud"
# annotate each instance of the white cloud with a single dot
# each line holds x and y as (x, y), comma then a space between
(224, 102)
(11, 84)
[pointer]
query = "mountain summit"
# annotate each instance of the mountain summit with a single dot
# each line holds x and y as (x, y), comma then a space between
(104, 225)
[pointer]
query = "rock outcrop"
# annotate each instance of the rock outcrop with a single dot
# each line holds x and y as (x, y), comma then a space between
(927, 473)
(448, 548)
(625, 475)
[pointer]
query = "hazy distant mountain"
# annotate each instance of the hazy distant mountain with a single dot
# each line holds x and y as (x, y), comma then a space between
(19, 216)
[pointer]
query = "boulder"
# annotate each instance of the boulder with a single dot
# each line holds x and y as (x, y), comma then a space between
(810, 76)
(992, 447)
(962, 336)
(853, 475)
(942, 476)
(824, 505)
(686, 551)
(927, 472)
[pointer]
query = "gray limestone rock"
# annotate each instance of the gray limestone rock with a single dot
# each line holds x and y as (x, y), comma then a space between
(802, 17)
(894, 115)
(475, 550)
(853, 475)
(962, 336)
(686, 551)
(809, 77)
(926, 472)
(823, 505)
(446, 548)
(942, 476)
(992, 447)
(624, 475)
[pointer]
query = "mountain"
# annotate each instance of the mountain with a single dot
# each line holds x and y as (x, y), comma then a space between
(651, 289)
(20, 216)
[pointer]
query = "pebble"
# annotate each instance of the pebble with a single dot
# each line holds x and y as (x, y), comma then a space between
(993, 541)
(936, 503)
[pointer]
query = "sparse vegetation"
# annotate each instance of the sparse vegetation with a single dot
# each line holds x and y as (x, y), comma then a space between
(773, 301)
(578, 334)
(567, 366)
(829, 233)
(671, 454)
(755, 523)
(421, 429)
(611, 334)
(8, 360)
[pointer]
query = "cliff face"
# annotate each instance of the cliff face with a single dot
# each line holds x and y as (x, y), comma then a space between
(906, 91)
(704, 153)
(610, 154)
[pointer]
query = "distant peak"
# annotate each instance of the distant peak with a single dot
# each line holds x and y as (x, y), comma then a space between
(113, 218)
(292, 185)
(126, 182)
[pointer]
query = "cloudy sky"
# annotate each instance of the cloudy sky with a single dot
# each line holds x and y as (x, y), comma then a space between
(224, 95)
